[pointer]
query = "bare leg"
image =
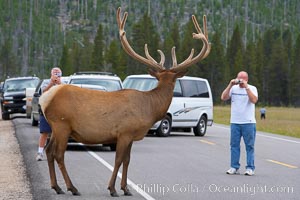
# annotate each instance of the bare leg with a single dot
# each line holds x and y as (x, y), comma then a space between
(43, 139)
(125, 171)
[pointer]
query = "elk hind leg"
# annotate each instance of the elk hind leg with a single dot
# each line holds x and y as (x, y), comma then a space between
(60, 159)
(50, 158)
(122, 145)
(125, 171)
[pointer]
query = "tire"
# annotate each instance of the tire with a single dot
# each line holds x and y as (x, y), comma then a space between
(5, 116)
(165, 126)
(33, 121)
(113, 147)
(200, 129)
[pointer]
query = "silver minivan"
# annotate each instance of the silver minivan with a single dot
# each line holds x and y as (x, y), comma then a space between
(191, 106)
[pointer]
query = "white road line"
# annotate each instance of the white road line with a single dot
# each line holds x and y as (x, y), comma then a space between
(277, 138)
(262, 135)
(129, 182)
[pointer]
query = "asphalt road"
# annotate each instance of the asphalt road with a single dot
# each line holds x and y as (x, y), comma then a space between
(181, 166)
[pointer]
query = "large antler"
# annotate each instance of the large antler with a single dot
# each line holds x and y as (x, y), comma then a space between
(203, 53)
(149, 61)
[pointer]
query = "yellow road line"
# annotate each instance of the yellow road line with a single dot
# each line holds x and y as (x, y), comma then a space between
(207, 142)
(284, 164)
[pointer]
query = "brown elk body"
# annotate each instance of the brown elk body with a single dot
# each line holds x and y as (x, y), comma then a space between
(95, 117)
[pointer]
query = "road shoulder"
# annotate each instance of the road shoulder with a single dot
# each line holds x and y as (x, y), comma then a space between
(14, 183)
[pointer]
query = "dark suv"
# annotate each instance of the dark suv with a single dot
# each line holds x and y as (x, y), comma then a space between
(13, 95)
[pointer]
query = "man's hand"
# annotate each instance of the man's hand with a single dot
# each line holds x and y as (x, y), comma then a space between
(55, 80)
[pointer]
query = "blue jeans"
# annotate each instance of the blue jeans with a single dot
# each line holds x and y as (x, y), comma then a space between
(248, 132)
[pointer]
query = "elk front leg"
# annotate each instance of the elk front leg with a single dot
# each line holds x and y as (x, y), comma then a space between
(50, 158)
(122, 145)
(125, 171)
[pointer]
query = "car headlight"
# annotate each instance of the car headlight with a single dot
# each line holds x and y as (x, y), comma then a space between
(7, 102)
(8, 98)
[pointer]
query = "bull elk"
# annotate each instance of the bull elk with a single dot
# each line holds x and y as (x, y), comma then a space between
(121, 117)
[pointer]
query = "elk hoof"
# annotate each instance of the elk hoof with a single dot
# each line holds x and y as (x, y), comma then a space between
(58, 190)
(114, 194)
(127, 191)
(74, 191)
(113, 191)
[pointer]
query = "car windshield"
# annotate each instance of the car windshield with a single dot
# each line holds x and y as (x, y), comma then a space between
(19, 84)
(110, 85)
(141, 84)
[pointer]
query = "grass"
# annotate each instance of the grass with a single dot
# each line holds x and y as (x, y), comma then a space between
(279, 120)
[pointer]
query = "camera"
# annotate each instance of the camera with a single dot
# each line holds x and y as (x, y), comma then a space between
(57, 74)
(238, 81)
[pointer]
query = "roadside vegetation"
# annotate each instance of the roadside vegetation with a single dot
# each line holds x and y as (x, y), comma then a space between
(279, 120)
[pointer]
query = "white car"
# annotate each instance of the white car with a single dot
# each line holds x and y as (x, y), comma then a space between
(91, 87)
(191, 106)
(109, 81)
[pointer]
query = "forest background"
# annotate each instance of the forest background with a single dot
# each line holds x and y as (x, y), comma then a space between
(261, 37)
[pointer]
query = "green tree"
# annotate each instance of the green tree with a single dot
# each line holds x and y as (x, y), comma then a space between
(267, 45)
(287, 43)
(86, 50)
(65, 64)
(76, 57)
(143, 32)
(250, 63)
(171, 40)
(295, 74)
(215, 67)
(112, 56)
(235, 53)
(278, 75)
(260, 71)
(8, 61)
(98, 51)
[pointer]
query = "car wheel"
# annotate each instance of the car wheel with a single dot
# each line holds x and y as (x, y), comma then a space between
(113, 147)
(33, 121)
(200, 129)
(5, 116)
(164, 128)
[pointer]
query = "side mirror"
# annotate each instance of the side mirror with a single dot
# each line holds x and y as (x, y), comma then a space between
(36, 94)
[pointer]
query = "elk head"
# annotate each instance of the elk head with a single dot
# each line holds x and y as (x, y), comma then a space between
(153, 65)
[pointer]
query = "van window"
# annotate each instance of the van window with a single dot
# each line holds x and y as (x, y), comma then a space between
(177, 90)
(193, 88)
(141, 84)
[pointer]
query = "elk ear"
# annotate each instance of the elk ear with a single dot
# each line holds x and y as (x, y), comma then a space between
(153, 73)
(181, 73)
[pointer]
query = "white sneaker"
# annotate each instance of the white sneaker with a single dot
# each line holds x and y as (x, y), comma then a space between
(39, 157)
(232, 171)
(249, 172)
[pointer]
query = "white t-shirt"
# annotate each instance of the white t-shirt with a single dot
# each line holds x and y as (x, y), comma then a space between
(242, 109)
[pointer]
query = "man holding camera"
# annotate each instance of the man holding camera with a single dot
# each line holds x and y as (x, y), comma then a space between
(45, 129)
(242, 121)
